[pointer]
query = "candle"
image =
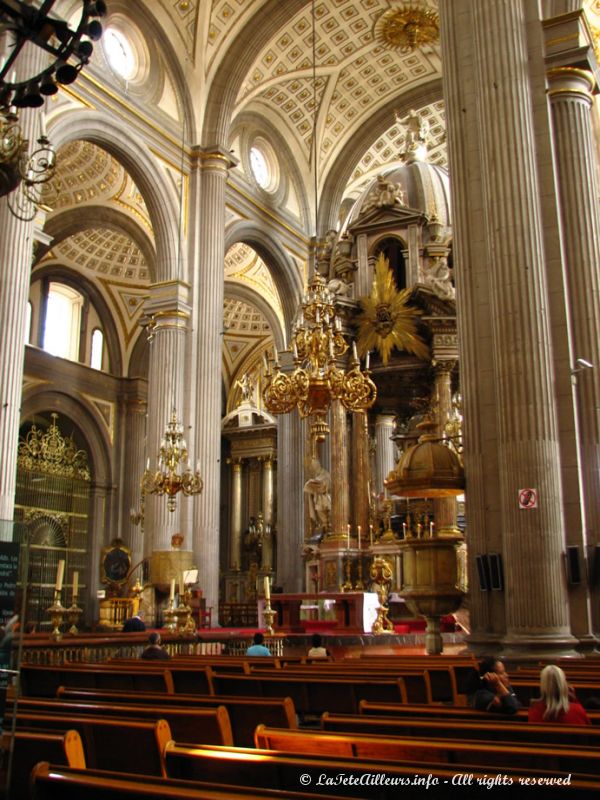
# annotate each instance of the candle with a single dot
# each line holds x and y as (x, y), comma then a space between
(42, 125)
(147, 463)
(267, 589)
(404, 529)
(371, 534)
(431, 528)
(60, 574)
(181, 586)
(172, 591)
(358, 529)
(354, 353)
(348, 530)
(367, 359)
(75, 585)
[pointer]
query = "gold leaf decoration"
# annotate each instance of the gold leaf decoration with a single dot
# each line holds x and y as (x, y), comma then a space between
(386, 320)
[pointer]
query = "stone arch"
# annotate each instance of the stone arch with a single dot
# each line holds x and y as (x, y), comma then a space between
(159, 194)
(38, 400)
(241, 292)
(285, 272)
(73, 220)
(63, 274)
(234, 67)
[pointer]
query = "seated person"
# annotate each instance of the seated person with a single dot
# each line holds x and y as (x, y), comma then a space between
(317, 650)
(493, 691)
(557, 703)
(134, 624)
(257, 648)
(154, 649)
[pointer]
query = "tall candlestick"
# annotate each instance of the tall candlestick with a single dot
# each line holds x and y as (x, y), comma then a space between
(60, 574)
(371, 534)
(172, 590)
(348, 529)
(267, 588)
(75, 585)
(358, 529)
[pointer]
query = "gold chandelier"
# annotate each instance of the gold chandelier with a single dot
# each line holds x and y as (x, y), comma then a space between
(173, 474)
(317, 380)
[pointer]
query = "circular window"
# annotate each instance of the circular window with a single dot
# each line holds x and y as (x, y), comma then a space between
(264, 165)
(119, 53)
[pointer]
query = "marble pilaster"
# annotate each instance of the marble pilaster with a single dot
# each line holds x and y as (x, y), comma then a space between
(134, 463)
(290, 515)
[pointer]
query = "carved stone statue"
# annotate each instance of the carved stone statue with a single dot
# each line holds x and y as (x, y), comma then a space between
(385, 194)
(437, 276)
(318, 494)
(246, 385)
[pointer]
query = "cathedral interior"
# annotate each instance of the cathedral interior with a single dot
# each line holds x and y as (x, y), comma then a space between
(330, 267)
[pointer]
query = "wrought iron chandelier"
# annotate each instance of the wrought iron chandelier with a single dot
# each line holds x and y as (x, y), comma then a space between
(317, 380)
(23, 25)
(173, 474)
(22, 28)
(29, 173)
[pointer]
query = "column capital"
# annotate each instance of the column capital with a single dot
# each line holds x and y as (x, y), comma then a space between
(569, 42)
(215, 158)
(565, 82)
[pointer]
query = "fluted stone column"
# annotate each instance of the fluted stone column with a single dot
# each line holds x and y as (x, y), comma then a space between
(571, 102)
(165, 391)
(290, 514)
(235, 551)
(135, 443)
(384, 449)
(360, 472)
(16, 247)
(208, 207)
(510, 414)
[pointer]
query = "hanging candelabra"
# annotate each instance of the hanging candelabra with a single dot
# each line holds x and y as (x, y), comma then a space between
(317, 380)
(173, 474)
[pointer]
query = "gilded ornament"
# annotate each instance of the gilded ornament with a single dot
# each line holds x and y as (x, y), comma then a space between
(407, 28)
(386, 320)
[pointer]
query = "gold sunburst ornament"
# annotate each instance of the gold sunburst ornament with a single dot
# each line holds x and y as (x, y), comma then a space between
(407, 28)
(386, 320)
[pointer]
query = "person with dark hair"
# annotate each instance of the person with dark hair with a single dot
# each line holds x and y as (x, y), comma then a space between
(154, 649)
(317, 650)
(494, 692)
(257, 648)
(557, 703)
(134, 624)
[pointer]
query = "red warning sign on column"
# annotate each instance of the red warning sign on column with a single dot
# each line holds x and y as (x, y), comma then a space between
(528, 498)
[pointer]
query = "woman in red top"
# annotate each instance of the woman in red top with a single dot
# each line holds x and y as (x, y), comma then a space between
(555, 703)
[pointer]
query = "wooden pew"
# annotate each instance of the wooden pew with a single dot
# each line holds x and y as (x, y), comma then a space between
(108, 743)
(245, 713)
(527, 690)
(505, 731)
(195, 725)
(50, 782)
(41, 681)
(411, 781)
(562, 759)
(310, 695)
(29, 747)
(448, 712)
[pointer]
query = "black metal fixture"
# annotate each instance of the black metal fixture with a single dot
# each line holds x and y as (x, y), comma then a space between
(23, 25)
